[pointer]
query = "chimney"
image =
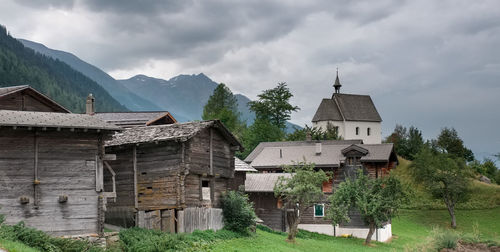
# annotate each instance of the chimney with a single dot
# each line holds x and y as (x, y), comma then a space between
(308, 136)
(90, 105)
(318, 148)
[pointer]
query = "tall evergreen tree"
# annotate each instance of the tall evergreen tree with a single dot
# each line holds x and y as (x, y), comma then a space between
(449, 142)
(222, 105)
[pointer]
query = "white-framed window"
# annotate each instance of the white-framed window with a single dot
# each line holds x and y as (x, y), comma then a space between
(357, 131)
(319, 210)
(368, 131)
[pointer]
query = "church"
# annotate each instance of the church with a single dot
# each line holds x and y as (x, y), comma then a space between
(354, 116)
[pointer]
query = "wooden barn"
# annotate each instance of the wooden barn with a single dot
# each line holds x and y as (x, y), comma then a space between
(26, 98)
(341, 158)
(171, 177)
(51, 170)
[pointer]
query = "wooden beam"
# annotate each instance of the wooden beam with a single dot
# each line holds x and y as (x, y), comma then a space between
(113, 174)
(109, 157)
(211, 152)
(134, 161)
(36, 182)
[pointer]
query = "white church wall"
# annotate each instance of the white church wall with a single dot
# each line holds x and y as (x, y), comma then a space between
(323, 124)
(375, 136)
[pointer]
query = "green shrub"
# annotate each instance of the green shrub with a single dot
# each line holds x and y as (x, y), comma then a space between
(238, 212)
(2, 219)
(447, 240)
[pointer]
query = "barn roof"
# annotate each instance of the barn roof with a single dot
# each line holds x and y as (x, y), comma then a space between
(170, 132)
(331, 155)
(6, 91)
(263, 182)
(263, 145)
(135, 119)
(52, 120)
(239, 165)
(348, 107)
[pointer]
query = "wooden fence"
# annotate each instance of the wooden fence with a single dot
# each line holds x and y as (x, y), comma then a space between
(200, 218)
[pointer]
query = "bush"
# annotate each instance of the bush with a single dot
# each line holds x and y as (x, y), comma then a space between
(2, 219)
(238, 212)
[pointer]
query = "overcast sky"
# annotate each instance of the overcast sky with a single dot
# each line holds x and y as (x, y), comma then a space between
(429, 64)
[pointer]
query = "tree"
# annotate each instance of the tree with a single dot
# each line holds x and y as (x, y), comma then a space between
(490, 169)
(237, 211)
(407, 142)
(449, 142)
(259, 131)
(331, 133)
(222, 105)
(377, 201)
(299, 192)
(273, 105)
(444, 176)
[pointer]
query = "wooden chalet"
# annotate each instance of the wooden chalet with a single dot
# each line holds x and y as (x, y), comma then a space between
(26, 98)
(137, 119)
(341, 158)
(170, 177)
(51, 167)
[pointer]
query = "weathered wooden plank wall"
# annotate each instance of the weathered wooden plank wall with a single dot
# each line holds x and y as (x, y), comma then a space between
(66, 167)
(200, 218)
(21, 101)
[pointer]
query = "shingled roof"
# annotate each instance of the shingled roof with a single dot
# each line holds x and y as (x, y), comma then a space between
(331, 155)
(52, 120)
(135, 119)
(170, 132)
(263, 145)
(263, 182)
(241, 166)
(348, 107)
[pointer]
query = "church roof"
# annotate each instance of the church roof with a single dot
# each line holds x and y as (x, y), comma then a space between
(348, 107)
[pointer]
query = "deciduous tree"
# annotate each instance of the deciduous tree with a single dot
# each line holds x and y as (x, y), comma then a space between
(445, 176)
(274, 105)
(299, 192)
(377, 201)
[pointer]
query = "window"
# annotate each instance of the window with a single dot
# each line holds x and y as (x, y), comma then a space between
(368, 131)
(357, 131)
(319, 210)
(205, 190)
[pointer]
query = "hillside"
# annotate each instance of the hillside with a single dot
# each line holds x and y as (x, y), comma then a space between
(116, 89)
(22, 66)
(483, 195)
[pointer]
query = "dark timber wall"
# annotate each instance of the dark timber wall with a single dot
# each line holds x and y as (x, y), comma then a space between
(25, 102)
(170, 175)
(66, 166)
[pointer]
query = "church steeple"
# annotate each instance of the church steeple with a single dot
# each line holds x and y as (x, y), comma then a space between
(337, 83)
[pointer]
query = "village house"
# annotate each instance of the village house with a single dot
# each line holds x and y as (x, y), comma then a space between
(354, 116)
(171, 177)
(51, 169)
(340, 158)
(137, 119)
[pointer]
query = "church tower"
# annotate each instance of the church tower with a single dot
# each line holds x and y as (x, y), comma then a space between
(354, 116)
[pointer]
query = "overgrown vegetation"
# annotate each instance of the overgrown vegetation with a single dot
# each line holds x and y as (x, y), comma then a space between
(145, 240)
(39, 240)
(238, 212)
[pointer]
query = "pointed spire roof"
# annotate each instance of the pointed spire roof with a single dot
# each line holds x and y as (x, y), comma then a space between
(337, 84)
